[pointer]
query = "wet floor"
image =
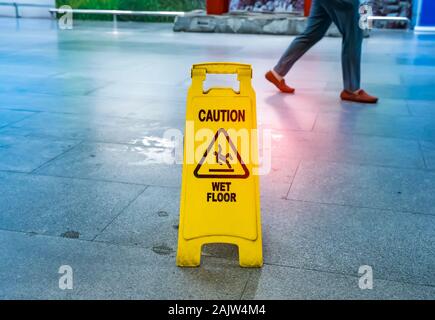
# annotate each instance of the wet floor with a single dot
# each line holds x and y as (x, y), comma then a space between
(86, 177)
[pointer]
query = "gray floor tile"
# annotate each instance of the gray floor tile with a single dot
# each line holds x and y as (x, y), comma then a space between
(347, 148)
(428, 149)
(365, 186)
(159, 108)
(104, 128)
(277, 116)
(394, 107)
(404, 127)
(276, 183)
(421, 108)
(340, 239)
(55, 86)
(325, 102)
(19, 153)
(103, 271)
(150, 165)
(54, 206)
(150, 221)
(140, 90)
(8, 117)
(392, 91)
(274, 282)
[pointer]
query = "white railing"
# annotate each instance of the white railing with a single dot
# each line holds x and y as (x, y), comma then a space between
(403, 19)
(116, 13)
(17, 6)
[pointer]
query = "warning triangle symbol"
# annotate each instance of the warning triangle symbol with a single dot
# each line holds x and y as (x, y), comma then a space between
(221, 159)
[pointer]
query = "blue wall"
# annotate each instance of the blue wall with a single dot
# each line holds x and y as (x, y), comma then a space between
(426, 11)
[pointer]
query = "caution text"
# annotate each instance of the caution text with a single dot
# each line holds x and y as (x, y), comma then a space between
(221, 115)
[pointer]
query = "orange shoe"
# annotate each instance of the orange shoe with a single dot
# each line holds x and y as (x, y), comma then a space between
(360, 96)
(279, 84)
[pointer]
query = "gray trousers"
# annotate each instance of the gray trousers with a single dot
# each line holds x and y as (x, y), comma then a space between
(344, 13)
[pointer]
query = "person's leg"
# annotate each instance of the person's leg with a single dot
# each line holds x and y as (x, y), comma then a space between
(344, 13)
(346, 18)
(317, 25)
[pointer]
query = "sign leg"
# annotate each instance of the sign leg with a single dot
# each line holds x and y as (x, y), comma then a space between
(189, 253)
(250, 254)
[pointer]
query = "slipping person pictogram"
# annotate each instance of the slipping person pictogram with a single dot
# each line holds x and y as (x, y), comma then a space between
(217, 164)
(345, 14)
(221, 158)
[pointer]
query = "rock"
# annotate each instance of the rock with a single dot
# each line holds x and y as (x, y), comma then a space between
(253, 23)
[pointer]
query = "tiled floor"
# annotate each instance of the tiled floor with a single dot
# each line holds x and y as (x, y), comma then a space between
(83, 181)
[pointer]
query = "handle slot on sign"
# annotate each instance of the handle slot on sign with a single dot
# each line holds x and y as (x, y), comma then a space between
(243, 72)
(221, 82)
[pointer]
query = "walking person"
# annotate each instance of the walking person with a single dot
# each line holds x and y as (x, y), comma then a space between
(345, 14)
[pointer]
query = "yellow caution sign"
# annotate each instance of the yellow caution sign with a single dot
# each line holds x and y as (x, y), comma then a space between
(220, 200)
